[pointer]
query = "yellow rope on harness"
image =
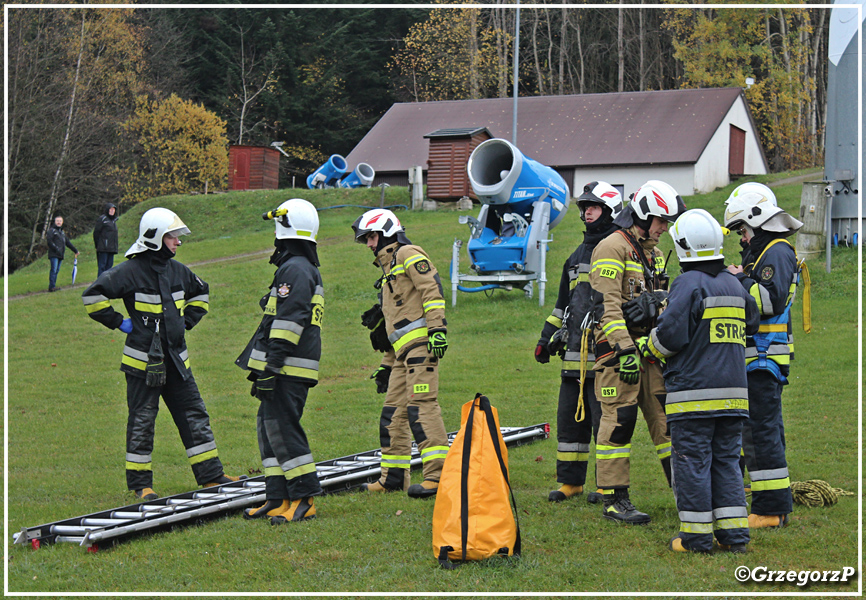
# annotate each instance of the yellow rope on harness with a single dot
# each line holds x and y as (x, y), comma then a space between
(807, 298)
(580, 415)
(816, 492)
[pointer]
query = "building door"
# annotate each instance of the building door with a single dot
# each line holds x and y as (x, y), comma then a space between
(737, 152)
(241, 180)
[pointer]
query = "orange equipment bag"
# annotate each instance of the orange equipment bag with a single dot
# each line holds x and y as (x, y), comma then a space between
(472, 518)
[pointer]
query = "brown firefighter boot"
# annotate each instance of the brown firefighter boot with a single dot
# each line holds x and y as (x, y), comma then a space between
(425, 489)
(299, 510)
(270, 508)
(564, 492)
(146, 494)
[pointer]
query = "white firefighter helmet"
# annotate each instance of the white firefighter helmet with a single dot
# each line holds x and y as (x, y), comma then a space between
(656, 199)
(756, 210)
(154, 224)
(753, 186)
(603, 193)
(697, 236)
(380, 220)
(301, 221)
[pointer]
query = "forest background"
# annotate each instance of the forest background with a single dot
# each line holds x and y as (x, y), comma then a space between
(119, 105)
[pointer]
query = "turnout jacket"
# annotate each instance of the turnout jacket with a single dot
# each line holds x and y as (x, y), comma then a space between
(57, 242)
(577, 297)
(413, 302)
(702, 336)
(288, 340)
(617, 275)
(152, 290)
(770, 276)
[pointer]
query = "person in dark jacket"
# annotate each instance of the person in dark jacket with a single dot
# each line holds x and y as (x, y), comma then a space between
(105, 238)
(283, 360)
(164, 299)
(769, 273)
(57, 244)
(599, 205)
(702, 339)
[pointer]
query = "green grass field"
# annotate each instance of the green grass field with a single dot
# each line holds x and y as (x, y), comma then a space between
(67, 414)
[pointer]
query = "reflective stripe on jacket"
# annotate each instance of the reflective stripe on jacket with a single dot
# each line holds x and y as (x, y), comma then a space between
(702, 337)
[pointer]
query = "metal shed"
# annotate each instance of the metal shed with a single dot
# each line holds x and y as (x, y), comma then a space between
(253, 168)
(446, 161)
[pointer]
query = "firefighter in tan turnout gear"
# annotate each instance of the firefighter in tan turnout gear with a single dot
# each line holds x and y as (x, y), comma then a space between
(413, 307)
(627, 270)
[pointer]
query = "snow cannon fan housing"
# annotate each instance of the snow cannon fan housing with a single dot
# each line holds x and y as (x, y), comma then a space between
(522, 200)
(363, 175)
(328, 175)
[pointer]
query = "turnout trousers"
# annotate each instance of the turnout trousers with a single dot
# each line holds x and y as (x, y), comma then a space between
(411, 406)
(290, 473)
(705, 465)
(190, 416)
(619, 405)
(764, 446)
(573, 437)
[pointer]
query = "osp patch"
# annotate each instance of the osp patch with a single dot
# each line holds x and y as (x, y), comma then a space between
(422, 266)
(283, 290)
(767, 273)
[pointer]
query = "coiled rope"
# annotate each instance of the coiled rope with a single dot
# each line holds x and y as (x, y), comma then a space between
(816, 492)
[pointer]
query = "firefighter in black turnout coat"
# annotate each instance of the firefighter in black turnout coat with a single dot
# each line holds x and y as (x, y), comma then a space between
(702, 337)
(164, 299)
(562, 334)
(283, 358)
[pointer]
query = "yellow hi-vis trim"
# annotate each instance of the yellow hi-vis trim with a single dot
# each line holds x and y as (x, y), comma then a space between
(732, 523)
(396, 461)
(200, 458)
(610, 452)
(412, 335)
(696, 527)
(133, 362)
(434, 304)
(773, 328)
(148, 308)
(284, 334)
(132, 466)
(724, 312)
(771, 484)
(273, 472)
(302, 470)
(572, 456)
(198, 303)
(434, 453)
(555, 321)
(663, 450)
(90, 308)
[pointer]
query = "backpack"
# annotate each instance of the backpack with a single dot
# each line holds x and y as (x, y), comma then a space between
(472, 518)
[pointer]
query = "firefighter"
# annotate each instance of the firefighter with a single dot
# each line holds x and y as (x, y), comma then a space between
(705, 323)
(283, 360)
(769, 273)
(599, 205)
(164, 299)
(413, 306)
(627, 272)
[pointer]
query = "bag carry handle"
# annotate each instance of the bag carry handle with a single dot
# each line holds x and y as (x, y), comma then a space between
(494, 434)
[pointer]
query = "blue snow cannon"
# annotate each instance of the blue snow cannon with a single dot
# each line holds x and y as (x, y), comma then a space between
(363, 175)
(522, 201)
(328, 175)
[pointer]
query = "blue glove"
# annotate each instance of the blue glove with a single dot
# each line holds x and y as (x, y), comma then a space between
(126, 326)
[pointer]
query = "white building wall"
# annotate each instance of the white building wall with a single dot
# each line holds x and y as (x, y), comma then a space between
(681, 177)
(711, 170)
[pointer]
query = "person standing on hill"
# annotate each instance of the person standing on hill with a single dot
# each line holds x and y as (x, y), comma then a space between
(57, 244)
(164, 299)
(413, 306)
(599, 205)
(105, 238)
(283, 360)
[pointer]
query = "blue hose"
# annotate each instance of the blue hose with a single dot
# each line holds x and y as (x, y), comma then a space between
(403, 206)
(481, 288)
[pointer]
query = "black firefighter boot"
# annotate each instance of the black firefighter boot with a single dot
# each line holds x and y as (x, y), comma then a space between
(617, 507)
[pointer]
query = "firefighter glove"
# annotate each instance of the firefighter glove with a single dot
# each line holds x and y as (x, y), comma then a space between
(381, 375)
(372, 317)
(437, 344)
(154, 374)
(541, 353)
(126, 325)
(557, 342)
(629, 368)
(639, 312)
(264, 386)
(642, 345)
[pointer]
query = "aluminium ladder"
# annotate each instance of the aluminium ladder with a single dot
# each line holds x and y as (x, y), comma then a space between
(107, 527)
